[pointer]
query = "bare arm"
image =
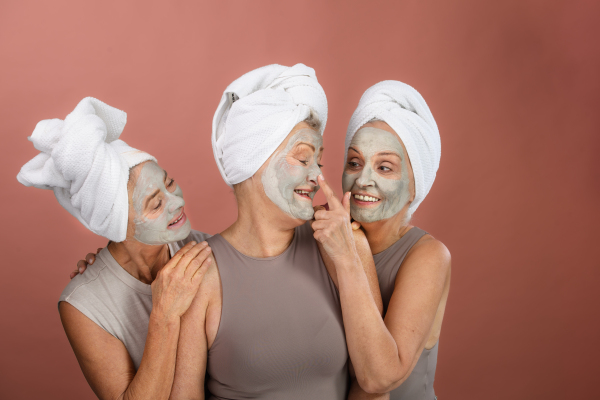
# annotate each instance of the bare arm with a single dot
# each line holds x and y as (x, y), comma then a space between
(104, 359)
(366, 261)
(192, 351)
(383, 353)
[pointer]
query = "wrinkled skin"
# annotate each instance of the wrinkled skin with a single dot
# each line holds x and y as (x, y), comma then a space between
(376, 167)
(290, 169)
(157, 202)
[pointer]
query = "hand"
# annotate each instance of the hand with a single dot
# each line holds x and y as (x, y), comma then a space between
(178, 281)
(83, 264)
(355, 224)
(332, 225)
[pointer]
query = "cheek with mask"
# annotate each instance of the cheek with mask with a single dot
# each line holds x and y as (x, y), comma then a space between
(375, 197)
(168, 223)
(288, 185)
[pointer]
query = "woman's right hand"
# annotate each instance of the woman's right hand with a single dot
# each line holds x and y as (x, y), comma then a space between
(178, 281)
(83, 264)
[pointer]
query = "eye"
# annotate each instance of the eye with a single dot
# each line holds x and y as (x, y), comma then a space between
(384, 168)
(353, 164)
(304, 162)
(171, 182)
(158, 206)
(320, 165)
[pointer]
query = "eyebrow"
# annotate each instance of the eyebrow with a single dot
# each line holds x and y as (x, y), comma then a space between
(353, 149)
(307, 144)
(388, 153)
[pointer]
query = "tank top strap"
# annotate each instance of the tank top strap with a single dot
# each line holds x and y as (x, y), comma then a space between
(388, 262)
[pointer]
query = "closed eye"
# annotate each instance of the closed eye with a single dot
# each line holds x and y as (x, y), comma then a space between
(158, 206)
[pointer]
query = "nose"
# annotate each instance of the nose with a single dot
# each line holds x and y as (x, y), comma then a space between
(313, 172)
(366, 177)
(175, 202)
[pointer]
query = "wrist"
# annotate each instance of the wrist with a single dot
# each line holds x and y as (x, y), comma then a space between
(160, 319)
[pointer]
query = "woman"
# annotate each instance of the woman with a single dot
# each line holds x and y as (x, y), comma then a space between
(393, 152)
(269, 324)
(123, 316)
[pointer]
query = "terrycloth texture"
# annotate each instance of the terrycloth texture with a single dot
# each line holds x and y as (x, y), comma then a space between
(87, 167)
(258, 111)
(406, 112)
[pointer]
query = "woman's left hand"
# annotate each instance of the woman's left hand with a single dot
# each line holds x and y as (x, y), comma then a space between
(333, 228)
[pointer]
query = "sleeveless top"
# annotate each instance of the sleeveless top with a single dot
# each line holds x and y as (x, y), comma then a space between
(281, 334)
(116, 301)
(419, 385)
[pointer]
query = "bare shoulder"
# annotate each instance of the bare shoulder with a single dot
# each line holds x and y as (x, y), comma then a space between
(431, 251)
(210, 287)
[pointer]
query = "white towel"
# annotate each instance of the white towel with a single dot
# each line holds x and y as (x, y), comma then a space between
(87, 167)
(405, 111)
(258, 111)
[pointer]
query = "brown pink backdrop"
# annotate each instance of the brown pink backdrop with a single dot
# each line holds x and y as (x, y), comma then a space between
(514, 86)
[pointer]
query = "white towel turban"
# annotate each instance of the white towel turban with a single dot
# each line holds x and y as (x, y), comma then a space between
(258, 111)
(405, 111)
(87, 167)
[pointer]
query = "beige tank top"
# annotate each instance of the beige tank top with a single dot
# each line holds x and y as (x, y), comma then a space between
(419, 385)
(115, 300)
(281, 334)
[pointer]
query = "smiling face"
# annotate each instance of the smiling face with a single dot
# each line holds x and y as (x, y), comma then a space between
(377, 174)
(156, 211)
(290, 178)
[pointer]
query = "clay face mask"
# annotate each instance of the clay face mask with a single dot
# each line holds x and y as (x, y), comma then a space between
(380, 188)
(286, 180)
(159, 216)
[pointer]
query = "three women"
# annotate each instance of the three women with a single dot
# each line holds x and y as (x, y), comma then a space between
(267, 315)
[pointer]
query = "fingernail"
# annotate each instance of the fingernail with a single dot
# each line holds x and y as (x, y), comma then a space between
(321, 177)
(194, 243)
(81, 270)
(90, 260)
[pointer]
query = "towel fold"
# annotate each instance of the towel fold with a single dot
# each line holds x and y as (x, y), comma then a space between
(405, 111)
(87, 167)
(258, 111)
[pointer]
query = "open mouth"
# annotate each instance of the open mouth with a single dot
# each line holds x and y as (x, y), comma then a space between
(179, 221)
(304, 193)
(364, 199)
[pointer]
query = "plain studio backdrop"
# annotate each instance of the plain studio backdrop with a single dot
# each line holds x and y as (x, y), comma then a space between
(514, 86)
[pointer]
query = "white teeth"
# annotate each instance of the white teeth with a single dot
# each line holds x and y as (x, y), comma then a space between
(365, 198)
(302, 192)
(178, 219)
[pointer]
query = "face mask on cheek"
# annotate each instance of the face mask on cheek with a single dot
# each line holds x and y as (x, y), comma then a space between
(281, 178)
(394, 194)
(156, 230)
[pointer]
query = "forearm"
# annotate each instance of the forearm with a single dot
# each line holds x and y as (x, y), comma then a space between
(154, 378)
(372, 348)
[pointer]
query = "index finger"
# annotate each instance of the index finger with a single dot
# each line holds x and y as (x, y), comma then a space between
(180, 253)
(332, 200)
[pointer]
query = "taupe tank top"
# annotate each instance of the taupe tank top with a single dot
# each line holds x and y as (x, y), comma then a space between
(115, 300)
(419, 385)
(281, 334)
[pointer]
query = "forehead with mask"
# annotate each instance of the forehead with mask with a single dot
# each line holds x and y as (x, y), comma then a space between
(290, 176)
(156, 214)
(377, 173)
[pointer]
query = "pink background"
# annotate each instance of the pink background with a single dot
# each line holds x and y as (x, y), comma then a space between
(514, 87)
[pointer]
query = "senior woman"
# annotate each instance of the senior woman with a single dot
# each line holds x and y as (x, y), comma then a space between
(392, 155)
(123, 316)
(268, 325)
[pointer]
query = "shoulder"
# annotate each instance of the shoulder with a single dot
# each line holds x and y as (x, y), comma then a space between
(431, 251)
(210, 288)
(194, 235)
(83, 284)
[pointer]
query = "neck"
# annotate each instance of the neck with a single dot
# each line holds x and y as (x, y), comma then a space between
(262, 229)
(142, 261)
(384, 233)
